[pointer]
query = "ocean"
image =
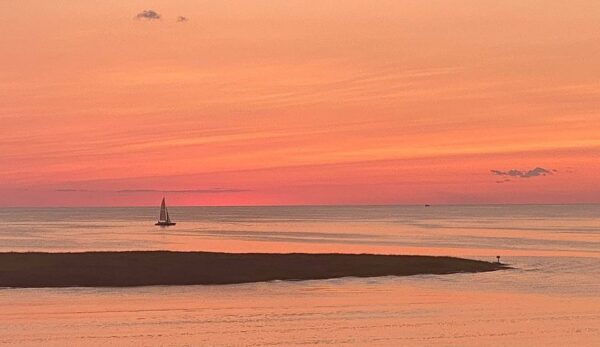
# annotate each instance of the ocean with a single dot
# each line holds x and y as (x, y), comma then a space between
(551, 297)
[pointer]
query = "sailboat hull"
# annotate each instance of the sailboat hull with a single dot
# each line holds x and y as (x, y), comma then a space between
(165, 224)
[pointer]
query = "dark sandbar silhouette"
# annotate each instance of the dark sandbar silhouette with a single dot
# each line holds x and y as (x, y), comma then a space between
(143, 268)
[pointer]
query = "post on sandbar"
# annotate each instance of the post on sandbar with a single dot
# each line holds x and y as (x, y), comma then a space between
(498, 257)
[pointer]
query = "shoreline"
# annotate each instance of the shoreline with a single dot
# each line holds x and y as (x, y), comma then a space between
(145, 268)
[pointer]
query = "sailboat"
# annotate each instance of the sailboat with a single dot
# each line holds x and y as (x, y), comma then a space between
(163, 219)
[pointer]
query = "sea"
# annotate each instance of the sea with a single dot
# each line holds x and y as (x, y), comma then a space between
(550, 297)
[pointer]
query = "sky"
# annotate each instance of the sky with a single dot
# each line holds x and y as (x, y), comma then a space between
(117, 103)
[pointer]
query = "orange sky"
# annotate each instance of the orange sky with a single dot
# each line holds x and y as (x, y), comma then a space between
(296, 102)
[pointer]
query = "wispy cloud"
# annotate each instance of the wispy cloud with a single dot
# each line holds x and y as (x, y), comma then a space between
(194, 191)
(143, 191)
(148, 14)
(538, 171)
(69, 190)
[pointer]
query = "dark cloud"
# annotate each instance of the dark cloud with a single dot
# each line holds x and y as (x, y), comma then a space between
(148, 14)
(182, 19)
(538, 171)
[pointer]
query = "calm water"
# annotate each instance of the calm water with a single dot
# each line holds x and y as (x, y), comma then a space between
(551, 298)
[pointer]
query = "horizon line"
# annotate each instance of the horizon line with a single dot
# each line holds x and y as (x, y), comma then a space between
(319, 205)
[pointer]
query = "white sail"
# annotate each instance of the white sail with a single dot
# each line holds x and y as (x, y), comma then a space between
(163, 212)
(163, 218)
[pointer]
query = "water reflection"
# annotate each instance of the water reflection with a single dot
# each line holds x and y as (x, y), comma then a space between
(551, 298)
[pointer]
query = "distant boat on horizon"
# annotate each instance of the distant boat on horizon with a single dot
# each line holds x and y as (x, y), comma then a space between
(163, 218)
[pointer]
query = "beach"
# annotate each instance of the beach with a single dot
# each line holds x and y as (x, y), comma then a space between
(125, 269)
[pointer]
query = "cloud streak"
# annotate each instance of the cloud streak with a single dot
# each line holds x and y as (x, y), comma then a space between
(144, 191)
(69, 190)
(184, 191)
(537, 172)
